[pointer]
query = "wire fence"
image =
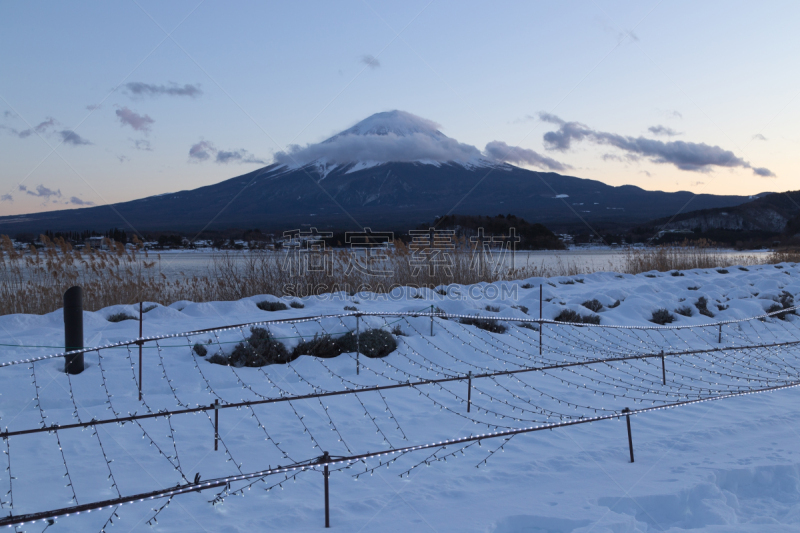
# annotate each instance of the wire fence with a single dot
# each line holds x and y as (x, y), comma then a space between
(464, 371)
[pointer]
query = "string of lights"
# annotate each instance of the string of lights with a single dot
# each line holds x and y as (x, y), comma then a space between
(218, 482)
(388, 314)
(616, 363)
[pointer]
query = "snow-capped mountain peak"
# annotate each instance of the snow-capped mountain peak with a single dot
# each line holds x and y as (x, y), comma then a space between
(391, 136)
(400, 123)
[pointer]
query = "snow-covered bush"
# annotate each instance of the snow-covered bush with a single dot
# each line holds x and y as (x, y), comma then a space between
(219, 359)
(266, 305)
(487, 324)
(199, 349)
(119, 317)
(259, 349)
(593, 305)
(662, 316)
(323, 346)
(702, 307)
(784, 301)
(684, 310)
(397, 332)
(568, 315)
(372, 343)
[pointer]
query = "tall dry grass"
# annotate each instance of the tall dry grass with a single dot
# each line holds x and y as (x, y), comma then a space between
(683, 257)
(237, 275)
(34, 281)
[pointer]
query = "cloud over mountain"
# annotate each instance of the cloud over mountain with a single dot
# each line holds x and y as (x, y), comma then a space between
(696, 157)
(501, 151)
(380, 148)
(401, 137)
(383, 137)
(77, 201)
(41, 192)
(205, 150)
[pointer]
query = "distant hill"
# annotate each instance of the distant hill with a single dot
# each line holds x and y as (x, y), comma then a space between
(770, 213)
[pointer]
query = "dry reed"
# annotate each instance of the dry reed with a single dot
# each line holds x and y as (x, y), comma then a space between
(35, 280)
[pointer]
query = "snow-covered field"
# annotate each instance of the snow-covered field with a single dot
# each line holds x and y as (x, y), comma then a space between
(727, 465)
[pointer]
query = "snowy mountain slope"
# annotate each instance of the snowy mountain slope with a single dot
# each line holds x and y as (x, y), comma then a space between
(393, 170)
(390, 196)
(729, 465)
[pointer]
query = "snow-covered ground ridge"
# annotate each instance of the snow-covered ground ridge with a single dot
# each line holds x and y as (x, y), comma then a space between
(136, 341)
(724, 467)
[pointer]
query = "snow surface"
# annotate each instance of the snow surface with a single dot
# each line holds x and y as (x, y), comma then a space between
(728, 465)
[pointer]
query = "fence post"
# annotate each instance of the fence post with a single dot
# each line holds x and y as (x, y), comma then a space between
(431, 320)
(216, 424)
(73, 329)
(719, 338)
(326, 474)
(630, 439)
(541, 324)
(663, 369)
(140, 350)
(358, 342)
(469, 390)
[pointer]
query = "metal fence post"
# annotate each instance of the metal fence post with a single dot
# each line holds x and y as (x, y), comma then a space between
(141, 316)
(663, 369)
(216, 424)
(719, 338)
(431, 320)
(630, 438)
(358, 342)
(541, 324)
(469, 390)
(73, 329)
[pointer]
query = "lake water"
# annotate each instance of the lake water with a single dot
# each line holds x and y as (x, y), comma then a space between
(179, 264)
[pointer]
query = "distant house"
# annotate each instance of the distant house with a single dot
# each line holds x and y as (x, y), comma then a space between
(98, 243)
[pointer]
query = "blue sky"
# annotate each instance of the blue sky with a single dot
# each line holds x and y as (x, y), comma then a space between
(102, 102)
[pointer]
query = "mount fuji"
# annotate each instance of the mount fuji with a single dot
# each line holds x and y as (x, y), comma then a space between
(391, 171)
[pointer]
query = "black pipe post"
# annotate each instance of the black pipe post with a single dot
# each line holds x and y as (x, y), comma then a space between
(719, 339)
(73, 329)
(216, 424)
(141, 316)
(326, 474)
(431, 321)
(469, 390)
(663, 369)
(541, 324)
(630, 439)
